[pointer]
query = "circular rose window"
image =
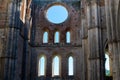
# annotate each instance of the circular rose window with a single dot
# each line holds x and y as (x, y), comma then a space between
(57, 14)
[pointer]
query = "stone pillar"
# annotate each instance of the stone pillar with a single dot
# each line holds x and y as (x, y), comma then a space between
(94, 42)
(3, 36)
(12, 40)
(26, 55)
(49, 67)
(2, 52)
(84, 25)
(64, 67)
(109, 29)
(85, 48)
(33, 71)
(115, 11)
(118, 34)
(112, 18)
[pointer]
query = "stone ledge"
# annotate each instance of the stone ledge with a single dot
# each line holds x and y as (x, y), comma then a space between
(55, 45)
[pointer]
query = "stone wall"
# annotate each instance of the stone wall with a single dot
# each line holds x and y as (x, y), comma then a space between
(92, 23)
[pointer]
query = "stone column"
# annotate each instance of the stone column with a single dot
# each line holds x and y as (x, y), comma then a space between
(84, 25)
(12, 41)
(113, 29)
(118, 33)
(49, 67)
(2, 52)
(3, 36)
(94, 42)
(26, 55)
(64, 67)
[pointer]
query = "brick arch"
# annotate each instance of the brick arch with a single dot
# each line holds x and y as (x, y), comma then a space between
(46, 29)
(70, 54)
(74, 61)
(40, 55)
(68, 29)
(60, 63)
(54, 33)
(107, 51)
(38, 58)
(61, 49)
(58, 3)
(54, 53)
(106, 45)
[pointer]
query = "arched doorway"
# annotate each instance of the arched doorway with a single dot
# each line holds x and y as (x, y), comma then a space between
(108, 63)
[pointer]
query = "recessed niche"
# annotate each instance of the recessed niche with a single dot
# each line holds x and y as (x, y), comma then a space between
(57, 14)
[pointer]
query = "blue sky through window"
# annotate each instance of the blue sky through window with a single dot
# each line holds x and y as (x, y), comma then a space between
(56, 66)
(70, 65)
(68, 37)
(45, 37)
(41, 71)
(107, 65)
(57, 14)
(57, 35)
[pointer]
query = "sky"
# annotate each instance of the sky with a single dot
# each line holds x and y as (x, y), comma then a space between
(107, 62)
(56, 67)
(58, 14)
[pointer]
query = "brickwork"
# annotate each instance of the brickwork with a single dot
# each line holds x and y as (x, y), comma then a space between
(62, 49)
(93, 24)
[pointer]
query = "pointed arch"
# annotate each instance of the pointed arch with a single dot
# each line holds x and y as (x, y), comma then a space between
(70, 66)
(56, 66)
(107, 65)
(68, 36)
(41, 66)
(57, 37)
(45, 37)
(108, 60)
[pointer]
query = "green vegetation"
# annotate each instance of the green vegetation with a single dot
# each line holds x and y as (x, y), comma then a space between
(107, 73)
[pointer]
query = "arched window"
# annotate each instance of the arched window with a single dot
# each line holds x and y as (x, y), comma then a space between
(56, 37)
(45, 37)
(57, 14)
(68, 37)
(41, 67)
(70, 66)
(107, 65)
(56, 66)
